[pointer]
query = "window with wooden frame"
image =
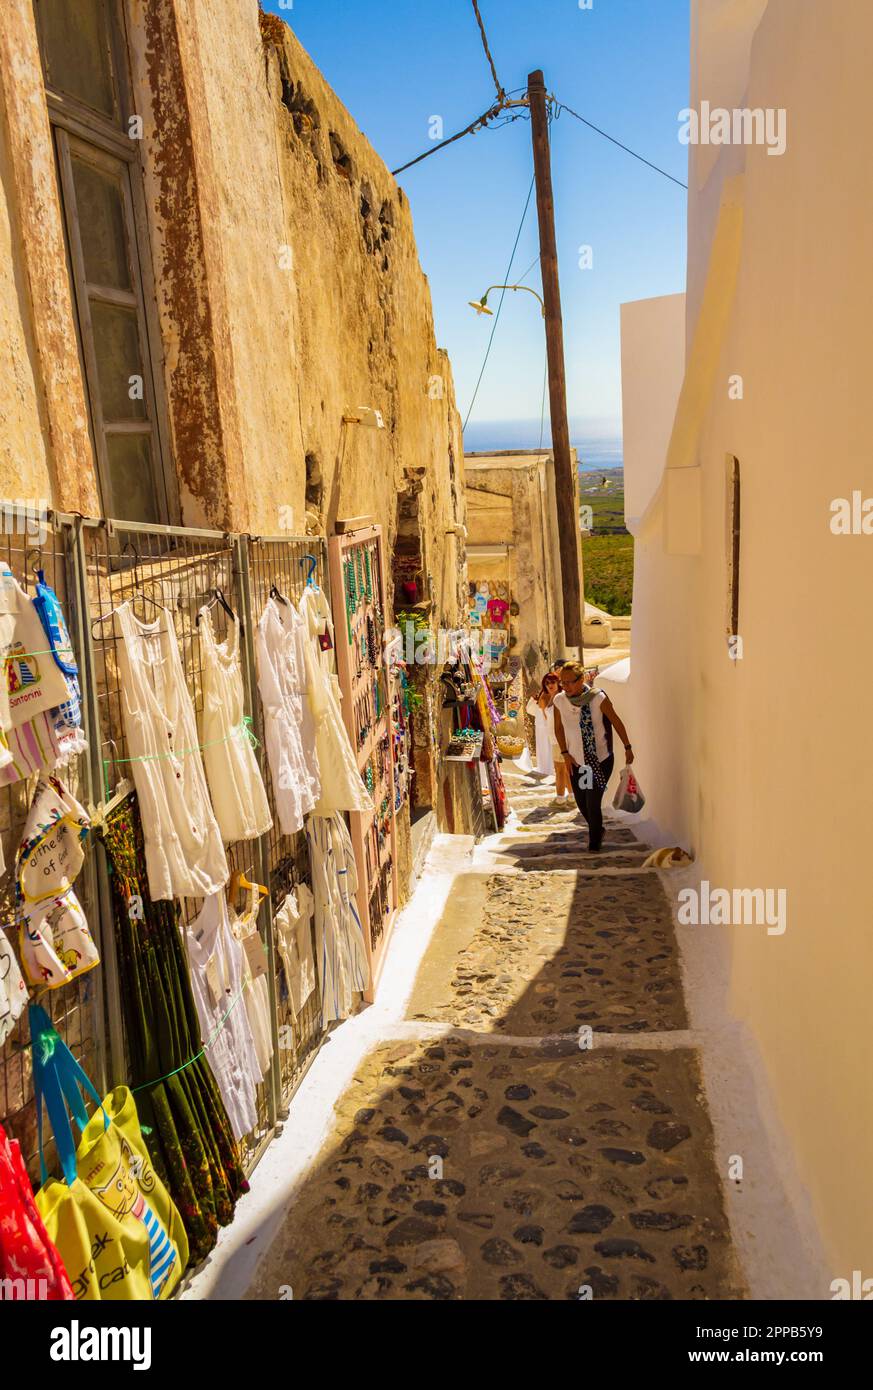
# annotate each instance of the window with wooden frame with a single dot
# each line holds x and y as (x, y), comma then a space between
(85, 68)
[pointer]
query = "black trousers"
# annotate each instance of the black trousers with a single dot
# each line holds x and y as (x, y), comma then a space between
(588, 800)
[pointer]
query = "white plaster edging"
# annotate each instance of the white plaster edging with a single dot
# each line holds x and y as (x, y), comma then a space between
(228, 1271)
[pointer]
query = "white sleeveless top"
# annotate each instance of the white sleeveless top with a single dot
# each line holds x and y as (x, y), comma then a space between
(342, 787)
(244, 925)
(238, 795)
(282, 679)
(217, 963)
(572, 732)
(184, 853)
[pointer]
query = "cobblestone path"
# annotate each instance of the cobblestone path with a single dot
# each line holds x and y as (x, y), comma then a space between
(515, 1158)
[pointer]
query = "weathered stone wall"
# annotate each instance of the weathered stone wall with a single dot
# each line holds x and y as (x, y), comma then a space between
(45, 451)
(362, 331)
(511, 501)
(282, 259)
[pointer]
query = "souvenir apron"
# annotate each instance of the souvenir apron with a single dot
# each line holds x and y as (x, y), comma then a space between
(56, 945)
(34, 681)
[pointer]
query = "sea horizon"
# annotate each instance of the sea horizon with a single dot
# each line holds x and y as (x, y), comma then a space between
(596, 449)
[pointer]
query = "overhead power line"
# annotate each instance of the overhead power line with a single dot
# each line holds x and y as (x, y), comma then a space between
(479, 124)
(497, 83)
(500, 305)
(483, 121)
(560, 106)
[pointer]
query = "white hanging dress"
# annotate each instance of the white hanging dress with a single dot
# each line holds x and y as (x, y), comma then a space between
(293, 929)
(342, 787)
(238, 795)
(217, 964)
(257, 990)
(341, 951)
(282, 682)
(184, 852)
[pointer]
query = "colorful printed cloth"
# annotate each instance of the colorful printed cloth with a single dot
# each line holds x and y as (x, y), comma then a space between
(589, 743)
(56, 945)
(183, 1118)
(30, 1266)
(47, 604)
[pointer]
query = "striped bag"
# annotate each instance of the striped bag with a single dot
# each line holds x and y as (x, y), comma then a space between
(111, 1218)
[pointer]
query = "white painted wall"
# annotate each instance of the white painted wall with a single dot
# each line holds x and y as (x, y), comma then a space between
(764, 767)
(652, 367)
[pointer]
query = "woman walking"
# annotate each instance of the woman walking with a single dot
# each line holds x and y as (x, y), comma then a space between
(549, 758)
(584, 721)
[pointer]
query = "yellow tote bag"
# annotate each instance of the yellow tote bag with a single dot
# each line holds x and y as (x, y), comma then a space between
(113, 1221)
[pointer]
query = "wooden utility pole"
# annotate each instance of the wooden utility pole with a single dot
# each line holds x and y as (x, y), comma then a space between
(565, 483)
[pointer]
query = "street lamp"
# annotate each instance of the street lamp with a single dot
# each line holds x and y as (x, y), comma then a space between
(481, 305)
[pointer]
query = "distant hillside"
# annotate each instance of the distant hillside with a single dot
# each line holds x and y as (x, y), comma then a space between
(603, 492)
(608, 549)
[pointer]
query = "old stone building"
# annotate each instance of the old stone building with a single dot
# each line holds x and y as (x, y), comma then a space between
(210, 294)
(512, 539)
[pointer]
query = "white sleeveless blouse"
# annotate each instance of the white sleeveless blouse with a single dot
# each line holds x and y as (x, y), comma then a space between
(184, 852)
(238, 795)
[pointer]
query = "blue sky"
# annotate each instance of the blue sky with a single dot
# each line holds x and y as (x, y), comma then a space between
(623, 64)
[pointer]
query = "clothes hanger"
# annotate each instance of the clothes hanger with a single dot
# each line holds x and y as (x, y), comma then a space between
(138, 592)
(238, 880)
(34, 568)
(313, 566)
(274, 593)
(217, 598)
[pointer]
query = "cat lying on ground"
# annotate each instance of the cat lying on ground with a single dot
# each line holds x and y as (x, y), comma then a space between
(669, 858)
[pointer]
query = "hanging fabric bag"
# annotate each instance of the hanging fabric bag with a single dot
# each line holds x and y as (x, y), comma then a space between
(111, 1218)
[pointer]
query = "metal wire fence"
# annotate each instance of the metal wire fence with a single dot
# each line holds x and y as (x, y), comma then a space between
(282, 565)
(94, 567)
(44, 544)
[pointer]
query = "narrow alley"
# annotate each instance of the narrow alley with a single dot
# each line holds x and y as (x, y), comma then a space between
(388, 491)
(536, 1128)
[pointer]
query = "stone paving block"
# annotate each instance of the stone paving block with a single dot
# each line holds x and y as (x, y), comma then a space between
(480, 1171)
(542, 953)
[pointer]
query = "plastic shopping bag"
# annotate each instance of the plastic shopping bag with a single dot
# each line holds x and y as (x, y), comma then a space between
(111, 1218)
(629, 794)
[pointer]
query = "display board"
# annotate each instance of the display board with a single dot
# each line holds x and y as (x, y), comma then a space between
(357, 574)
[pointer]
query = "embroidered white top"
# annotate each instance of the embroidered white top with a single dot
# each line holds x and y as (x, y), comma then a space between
(218, 983)
(238, 795)
(184, 852)
(293, 926)
(342, 788)
(282, 680)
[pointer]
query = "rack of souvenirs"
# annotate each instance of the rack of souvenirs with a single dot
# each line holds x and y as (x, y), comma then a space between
(369, 704)
(467, 698)
(158, 1167)
(490, 609)
(402, 742)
